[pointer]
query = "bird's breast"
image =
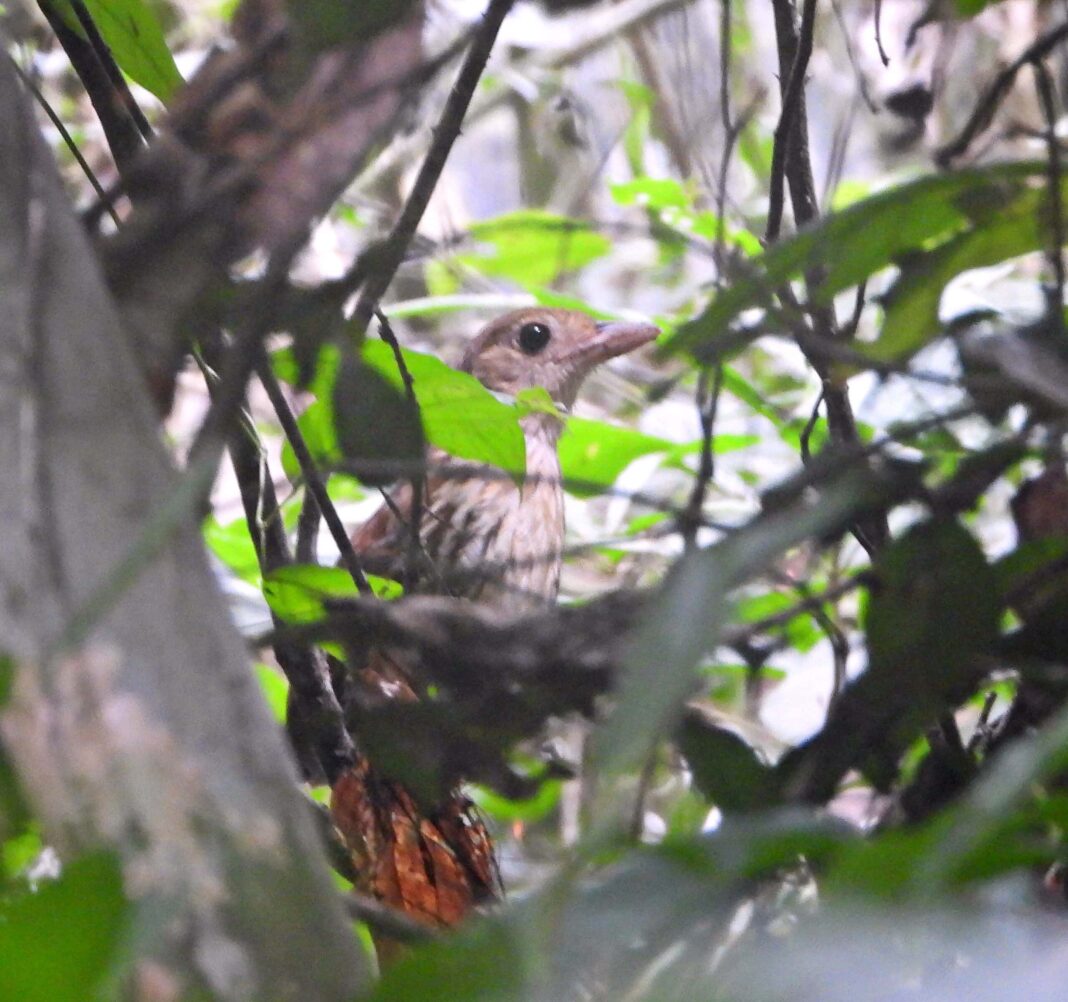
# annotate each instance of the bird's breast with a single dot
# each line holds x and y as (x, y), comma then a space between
(498, 541)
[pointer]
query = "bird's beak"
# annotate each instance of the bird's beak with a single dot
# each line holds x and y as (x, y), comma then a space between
(611, 339)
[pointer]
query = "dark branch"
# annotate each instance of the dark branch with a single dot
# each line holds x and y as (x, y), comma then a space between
(389, 255)
(991, 100)
(312, 479)
(107, 60)
(316, 724)
(1055, 253)
(122, 132)
(792, 127)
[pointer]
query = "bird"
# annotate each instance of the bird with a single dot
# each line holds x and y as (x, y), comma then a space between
(488, 540)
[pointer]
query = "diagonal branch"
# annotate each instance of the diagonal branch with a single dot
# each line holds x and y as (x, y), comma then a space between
(390, 253)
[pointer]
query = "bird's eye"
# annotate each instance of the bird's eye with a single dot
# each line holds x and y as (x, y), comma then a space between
(533, 337)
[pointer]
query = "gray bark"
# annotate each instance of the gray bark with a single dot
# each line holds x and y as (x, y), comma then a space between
(148, 736)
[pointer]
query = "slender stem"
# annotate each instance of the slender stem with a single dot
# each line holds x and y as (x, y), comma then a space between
(312, 478)
(67, 138)
(390, 253)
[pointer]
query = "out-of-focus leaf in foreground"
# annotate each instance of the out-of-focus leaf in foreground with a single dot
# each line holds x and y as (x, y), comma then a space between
(58, 943)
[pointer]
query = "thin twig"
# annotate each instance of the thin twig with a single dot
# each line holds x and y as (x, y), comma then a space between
(879, 32)
(988, 104)
(810, 427)
(107, 60)
(308, 529)
(315, 723)
(979, 735)
(850, 330)
(1055, 253)
(745, 634)
(839, 648)
(794, 47)
(65, 135)
(707, 402)
(310, 472)
(390, 253)
(645, 780)
(388, 921)
(792, 101)
(851, 54)
(123, 136)
(731, 131)
(418, 481)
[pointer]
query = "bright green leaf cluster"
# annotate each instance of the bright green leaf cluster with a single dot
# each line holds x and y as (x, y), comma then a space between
(135, 38)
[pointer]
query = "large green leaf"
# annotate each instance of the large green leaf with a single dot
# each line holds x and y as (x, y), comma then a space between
(58, 944)
(135, 38)
(233, 545)
(297, 593)
(377, 423)
(725, 769)
(532, 247)
(932, 227)
(459, 415)
(674, 204)
(594, 453)
(1017, 226)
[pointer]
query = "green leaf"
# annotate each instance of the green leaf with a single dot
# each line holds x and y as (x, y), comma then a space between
(58, 943)
(1015, 225)
(485, 962)
(134, 35)
(533, 247)
(726, 769)
(564, 301)
(17, 855)
(936, 607)
(14, 811)
(594, 453)
(233, 545)
(969, 8)
(933, 613)
(652, 193)
(739, 387)
(801, 632)
(297, 593)
(459, 414)
(508, 810)
(378, 425)
(275, 689)
(868, 236)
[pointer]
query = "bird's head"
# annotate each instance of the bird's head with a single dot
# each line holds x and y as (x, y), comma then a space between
(551, 348)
